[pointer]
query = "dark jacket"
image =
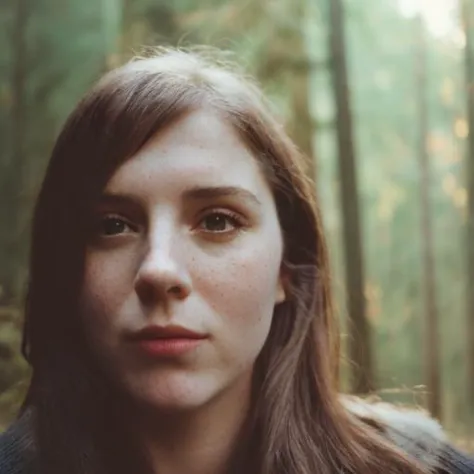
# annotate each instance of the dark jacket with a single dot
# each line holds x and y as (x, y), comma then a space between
(17, 448)
(414, 432)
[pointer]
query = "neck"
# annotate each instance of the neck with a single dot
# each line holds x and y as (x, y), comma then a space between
(201, 441)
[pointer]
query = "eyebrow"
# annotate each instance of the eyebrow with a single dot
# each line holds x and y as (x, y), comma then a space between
(108, 198)
(195, 193)
(213, 192)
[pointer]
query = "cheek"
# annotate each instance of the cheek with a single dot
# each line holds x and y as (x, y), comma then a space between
(241, 287)
(105, 290)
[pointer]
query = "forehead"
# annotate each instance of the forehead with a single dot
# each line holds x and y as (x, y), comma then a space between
(201, 148)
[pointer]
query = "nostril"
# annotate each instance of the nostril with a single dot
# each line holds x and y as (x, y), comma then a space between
(150, 292)
(145, 292)
(178, 291)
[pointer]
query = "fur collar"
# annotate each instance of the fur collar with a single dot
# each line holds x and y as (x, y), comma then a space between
(412, 430)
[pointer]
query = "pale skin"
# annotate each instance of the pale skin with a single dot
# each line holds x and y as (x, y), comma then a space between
(187, 234)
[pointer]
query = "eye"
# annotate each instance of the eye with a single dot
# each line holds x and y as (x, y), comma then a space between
(113, 225)
(220, 222)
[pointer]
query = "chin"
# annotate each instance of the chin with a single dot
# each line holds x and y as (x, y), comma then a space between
(173, 393)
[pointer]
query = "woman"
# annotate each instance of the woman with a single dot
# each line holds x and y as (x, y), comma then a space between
(179, 314)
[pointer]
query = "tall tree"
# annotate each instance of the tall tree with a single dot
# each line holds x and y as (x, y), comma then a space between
(146, 23)
(301, 126)
(301, 123)
(431, 333)
(360, 349)
(16, 165)
(468, 25)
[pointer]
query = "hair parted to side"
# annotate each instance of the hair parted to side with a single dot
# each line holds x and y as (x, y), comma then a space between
(300, 425)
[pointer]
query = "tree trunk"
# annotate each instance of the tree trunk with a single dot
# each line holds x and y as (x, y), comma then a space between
(19, 83)
(431, 332)
(468, 24)
(111, 16)
(126, 22)
(14, 184)
(301, 127)
(360, 349)
(302, 124)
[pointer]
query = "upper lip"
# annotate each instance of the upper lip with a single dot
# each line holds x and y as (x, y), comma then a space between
(165, 332)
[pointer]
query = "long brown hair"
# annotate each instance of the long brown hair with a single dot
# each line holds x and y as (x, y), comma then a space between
(300, 425)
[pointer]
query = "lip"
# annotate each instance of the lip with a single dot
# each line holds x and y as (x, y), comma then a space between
(166, 341)
(165, 332)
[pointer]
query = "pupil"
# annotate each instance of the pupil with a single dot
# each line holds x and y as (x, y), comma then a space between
(112, 226)
(216, 222)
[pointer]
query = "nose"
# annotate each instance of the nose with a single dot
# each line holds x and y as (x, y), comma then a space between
(161, 277)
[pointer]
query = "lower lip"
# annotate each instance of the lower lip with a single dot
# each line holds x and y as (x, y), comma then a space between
(169, 347)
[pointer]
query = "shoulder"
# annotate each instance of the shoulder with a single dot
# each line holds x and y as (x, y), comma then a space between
(415, 432)
(17, 447)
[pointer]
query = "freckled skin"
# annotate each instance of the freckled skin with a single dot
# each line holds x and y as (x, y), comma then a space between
(231, 282)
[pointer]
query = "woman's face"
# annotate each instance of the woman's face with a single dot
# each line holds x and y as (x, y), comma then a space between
(182, 273)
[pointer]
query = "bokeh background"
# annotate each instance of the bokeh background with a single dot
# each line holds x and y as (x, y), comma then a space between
(377, 93)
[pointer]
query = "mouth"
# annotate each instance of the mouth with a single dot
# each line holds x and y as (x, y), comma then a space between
(166, 341)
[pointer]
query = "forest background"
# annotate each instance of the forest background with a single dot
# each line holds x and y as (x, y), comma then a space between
(379, 94)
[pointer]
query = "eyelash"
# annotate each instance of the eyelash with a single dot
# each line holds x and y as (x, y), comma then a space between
(114, 217)
(237, 221)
